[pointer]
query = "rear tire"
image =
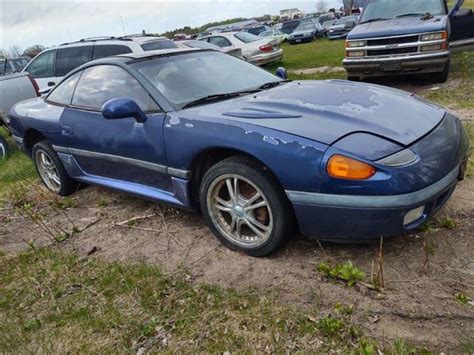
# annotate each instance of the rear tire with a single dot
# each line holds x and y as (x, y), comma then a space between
(51, 170)
(229, 194)
(4, 149)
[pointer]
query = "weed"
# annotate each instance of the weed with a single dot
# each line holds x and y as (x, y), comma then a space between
(101, 202)
(462, 298)
(330, 326)
(346, 272)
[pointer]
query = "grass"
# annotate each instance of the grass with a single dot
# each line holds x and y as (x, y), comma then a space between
(17, 167)
(318, 53)
(459, 93)
(54, 302)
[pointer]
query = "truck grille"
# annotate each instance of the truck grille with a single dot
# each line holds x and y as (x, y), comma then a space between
(393, 51)
(391, 40)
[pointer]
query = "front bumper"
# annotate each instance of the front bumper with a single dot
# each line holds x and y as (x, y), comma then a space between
(266, 58)
(337, 35)
(396, 65)
(346, 218)
(302, 39)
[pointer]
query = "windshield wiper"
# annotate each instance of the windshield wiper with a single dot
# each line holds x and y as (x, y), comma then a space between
(272, 84)
(375, 19)
(217, 97)
(425, 15)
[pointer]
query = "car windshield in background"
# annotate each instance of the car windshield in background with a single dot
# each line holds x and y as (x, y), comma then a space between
(188, 77)
(388, 9)
(256, 30)
(161, 44)
(19, 63)
(305, 27)
(289, 26)
(246, 37)
(345, 20)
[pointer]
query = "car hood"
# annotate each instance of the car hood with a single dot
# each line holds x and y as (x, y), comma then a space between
(325, 111)
(305, 32)
(401, 26)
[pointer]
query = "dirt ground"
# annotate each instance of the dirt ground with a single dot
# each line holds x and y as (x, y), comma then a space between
(423, 272)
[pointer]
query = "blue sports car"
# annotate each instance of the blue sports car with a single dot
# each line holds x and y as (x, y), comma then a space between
(259, 155)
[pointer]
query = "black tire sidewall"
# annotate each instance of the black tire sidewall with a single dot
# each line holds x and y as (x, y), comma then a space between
(68, 185)
(282, 212)
(4, 148)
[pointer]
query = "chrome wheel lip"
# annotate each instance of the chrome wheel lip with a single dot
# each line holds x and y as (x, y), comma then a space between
(241, 210)
(48, 171)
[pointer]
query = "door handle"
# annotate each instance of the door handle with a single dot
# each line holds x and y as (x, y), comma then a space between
(66, 131)
(51, 83)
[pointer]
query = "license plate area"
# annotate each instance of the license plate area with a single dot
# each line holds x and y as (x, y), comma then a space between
(390, 66)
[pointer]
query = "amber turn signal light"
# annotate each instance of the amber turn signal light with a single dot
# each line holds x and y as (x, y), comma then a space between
(342, 167)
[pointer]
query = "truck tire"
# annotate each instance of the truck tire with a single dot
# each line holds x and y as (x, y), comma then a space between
(442, 76)
(4, 149)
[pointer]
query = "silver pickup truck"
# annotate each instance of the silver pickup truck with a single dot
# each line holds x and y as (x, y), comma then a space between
(13, 88)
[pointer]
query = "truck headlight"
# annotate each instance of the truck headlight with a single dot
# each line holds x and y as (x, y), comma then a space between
(355, 44)
(355, 54)
(434, 36)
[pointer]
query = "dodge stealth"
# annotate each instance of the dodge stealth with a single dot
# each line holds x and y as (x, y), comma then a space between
(259, 155)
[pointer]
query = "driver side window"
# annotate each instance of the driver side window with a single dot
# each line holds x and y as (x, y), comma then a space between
(102, 83)
(220, 41)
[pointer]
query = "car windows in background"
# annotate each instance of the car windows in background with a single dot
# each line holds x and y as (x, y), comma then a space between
(68, 59)
(108, 50)
(246, 37)
(160, 44)
(43, 65)
(62, 94)
(102, 83)
(220, 41)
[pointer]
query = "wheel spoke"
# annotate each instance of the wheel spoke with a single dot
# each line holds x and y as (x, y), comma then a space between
(257, 231)
(221, 203)
(238, 230)
(252, 199)
(230, 189)
(254, 222)
(233, 224)
(55, 178)
(256, 205)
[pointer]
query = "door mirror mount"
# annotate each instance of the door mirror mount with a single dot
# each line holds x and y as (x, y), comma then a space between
(123, 108)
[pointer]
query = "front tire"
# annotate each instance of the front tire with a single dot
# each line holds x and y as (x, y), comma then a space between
(442, 76)
(51, 170)
(4, 149)
(245, 207)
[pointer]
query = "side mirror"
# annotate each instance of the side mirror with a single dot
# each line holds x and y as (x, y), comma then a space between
(281, 73)
(123, 108)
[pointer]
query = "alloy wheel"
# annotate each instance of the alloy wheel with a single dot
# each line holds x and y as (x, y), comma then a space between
(48, 171)
(240, 211)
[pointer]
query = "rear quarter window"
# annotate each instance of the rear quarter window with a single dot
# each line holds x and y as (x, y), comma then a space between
(62, 94)
(68, 59)
(160, 44)
(108, 50)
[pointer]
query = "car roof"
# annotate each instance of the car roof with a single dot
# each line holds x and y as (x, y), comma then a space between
(158, 53)
(139, 38)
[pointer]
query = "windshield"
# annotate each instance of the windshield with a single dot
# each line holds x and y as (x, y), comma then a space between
(345, 20)
(19, 63)
(246, 37)
(305, 27)
(188, 77)
(389, 9)
(289, 26)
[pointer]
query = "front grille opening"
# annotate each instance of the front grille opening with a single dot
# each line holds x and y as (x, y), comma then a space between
(392, 51)
(395, 40)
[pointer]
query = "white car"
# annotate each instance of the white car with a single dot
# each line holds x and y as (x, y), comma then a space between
(255, 50)
(235, 52)
(52, 64)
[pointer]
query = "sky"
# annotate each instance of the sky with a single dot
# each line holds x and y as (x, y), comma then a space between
(24, 23)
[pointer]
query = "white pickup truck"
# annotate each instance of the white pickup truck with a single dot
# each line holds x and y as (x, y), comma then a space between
(13, 88)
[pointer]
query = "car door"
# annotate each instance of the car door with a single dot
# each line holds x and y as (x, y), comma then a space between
(462, 27)
(42, 68)
(123, 150)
